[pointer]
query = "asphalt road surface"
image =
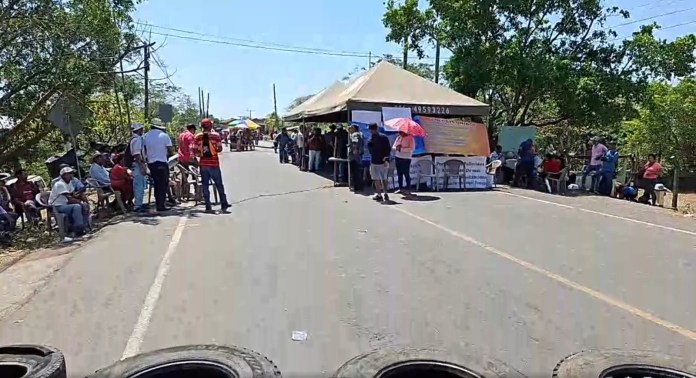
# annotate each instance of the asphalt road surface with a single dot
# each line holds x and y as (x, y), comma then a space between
(521, 277)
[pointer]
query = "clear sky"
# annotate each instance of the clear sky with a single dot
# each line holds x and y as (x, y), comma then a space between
(240, 78)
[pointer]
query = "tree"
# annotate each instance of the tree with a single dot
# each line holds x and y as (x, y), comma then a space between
(272, 122)
(542, 62)
(50, 49)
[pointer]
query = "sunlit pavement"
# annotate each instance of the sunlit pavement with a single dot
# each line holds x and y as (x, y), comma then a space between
(521, 277)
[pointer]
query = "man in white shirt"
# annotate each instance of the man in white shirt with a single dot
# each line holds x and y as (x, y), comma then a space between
(97, 170)
(64, 202)
(158, 147)
(138, 165)
(498, 154)
(300, 141)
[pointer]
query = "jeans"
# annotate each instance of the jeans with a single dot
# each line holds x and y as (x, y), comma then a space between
(283, 154)
(138, 186)
(213, 173)
(527, 169)
(649, 187)
(356, 176)
(594, 170)
(314, 160)
(75, 212)
(159, 171)
(403, 170)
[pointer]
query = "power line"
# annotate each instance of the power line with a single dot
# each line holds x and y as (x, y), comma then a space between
(649, 18)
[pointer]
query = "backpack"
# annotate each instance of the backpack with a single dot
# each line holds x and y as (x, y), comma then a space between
(128, 155)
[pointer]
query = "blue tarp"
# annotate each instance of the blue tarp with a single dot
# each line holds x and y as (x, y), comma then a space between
(420, 141)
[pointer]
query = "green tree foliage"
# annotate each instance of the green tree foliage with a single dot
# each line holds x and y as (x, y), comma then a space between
(542, 62)
(272, 122)
(50, 49)
(666, 124)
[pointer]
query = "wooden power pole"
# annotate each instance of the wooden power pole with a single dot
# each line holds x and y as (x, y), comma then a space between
(437, 61)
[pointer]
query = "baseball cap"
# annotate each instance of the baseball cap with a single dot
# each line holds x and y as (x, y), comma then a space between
(137, 126)
(66, 170)
(206, 122)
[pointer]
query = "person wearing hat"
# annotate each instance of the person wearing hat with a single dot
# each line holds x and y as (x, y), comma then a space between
(134, 158)
(159, 147)
(355, 154)
(64, 201)
(208, 146)
(98, 172)
(598, 151)
(380, 151)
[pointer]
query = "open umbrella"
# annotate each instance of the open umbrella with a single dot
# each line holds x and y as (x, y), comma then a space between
(244, 124)
(405, 125)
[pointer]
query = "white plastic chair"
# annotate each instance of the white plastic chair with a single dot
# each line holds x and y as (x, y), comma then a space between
(492, 170)
(426, 169)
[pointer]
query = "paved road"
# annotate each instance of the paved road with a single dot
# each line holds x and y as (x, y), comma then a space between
(522, 277)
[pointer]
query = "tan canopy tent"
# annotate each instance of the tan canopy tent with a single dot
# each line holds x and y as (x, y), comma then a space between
(386, 85)
(329, 92)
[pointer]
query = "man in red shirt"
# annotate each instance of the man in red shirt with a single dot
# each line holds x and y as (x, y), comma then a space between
(187, 146)
(208, 146)
(24, 194)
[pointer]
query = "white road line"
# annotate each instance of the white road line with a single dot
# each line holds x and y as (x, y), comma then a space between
(136, 338)
(601, 213)
(689, 334)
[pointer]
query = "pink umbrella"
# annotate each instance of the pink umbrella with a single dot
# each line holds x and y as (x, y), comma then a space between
(405, 125)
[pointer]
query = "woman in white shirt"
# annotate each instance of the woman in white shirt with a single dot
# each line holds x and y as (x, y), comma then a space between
(403, 152)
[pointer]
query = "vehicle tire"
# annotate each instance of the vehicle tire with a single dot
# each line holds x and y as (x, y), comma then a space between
(31, 361)
(622, 363)
(192, 360)
(394, 363)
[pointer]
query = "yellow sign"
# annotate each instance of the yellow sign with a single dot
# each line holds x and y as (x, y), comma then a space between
(455, 137)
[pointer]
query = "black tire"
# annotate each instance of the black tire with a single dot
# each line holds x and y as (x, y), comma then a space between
(31, 361)
(622, 363)
(387, 361)
(227, 361)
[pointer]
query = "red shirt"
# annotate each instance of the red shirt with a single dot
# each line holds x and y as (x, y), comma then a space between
(186, 146)
(214, 141)
(552, 166)
(25, 191)
(652, 171)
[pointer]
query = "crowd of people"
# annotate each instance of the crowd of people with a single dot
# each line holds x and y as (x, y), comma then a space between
(146, 159)
(601, 167)
(314, 153)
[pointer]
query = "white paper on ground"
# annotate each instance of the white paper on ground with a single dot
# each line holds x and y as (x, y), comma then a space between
(299, 335)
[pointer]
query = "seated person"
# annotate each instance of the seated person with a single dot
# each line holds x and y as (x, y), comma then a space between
(8, 219)
(552, 165)
(66, 201)
(122, 180)
(629, 192)
(76, 183)
(23, 196)
(98, 173)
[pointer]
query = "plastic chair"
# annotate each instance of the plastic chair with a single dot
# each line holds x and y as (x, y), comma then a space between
(454, 168)
(492, 170)
(426, 169)
(561, 181)
(391, 172)
(103, 196)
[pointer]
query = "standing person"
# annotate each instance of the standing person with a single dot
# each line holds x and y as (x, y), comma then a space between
(208, 146)
(653, 171)
(135, 159)
(403, 152)
(23, 195)
(610, 161)
(159, 147)
(328, 145)
(380, 149)
(300, 142)
(316, 146)
(341, 152)
(355, 154)
(283, 140)
(598, 152)
(187, 144)
(527, 154)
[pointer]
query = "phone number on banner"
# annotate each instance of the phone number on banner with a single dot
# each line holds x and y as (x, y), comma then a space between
(423, 109)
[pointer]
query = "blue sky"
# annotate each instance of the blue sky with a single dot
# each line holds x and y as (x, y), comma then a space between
(241, 78)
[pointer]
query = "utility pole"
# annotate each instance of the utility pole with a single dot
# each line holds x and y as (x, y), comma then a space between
(207, 106)
(369, 60)
(249, 110)
(437, 61)
(275, 105)
(125, 98)
(147, 83)
(405, 62)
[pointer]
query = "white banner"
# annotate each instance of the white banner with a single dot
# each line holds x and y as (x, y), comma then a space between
(366, 116)
(414, 173)
(475, 172)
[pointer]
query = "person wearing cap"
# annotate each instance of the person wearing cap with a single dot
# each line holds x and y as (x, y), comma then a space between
(208, 146)
(187, 145)
(64, 201)
(593, 169)
(355, 154)
(159, 147)
(380, 151)
(76, 183)
(136, 161)
(98, 172)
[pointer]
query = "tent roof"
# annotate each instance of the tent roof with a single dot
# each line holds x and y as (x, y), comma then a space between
(387, 85)
(316, 100)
